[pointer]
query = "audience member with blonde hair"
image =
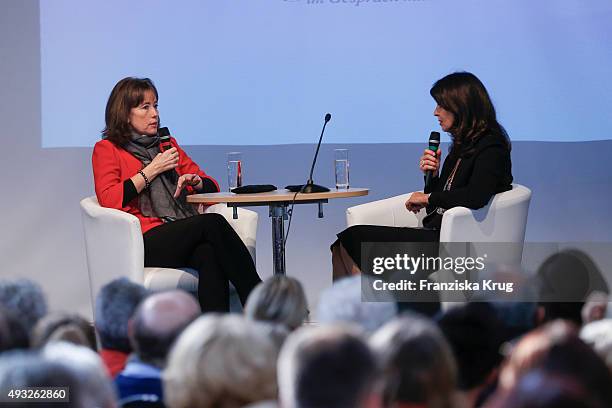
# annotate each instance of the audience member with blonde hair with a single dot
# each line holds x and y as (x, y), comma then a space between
(279, 299)
(64, 327)
(222, 361)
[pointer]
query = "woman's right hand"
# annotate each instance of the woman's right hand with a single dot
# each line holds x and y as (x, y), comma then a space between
(165, 161)
(430, 160)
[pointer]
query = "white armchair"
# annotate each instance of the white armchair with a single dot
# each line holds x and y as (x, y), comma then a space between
(504, 219)
(114, 247)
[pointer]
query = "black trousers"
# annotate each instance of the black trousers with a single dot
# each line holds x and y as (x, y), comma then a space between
(208, 244)
(353, 237)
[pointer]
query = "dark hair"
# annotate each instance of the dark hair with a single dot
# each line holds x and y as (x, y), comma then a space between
(477, 356)
(332, 367)
(115, 305)
(13, 333)
(556, 348)
(541, 389)
(127, 94)
(463, 95)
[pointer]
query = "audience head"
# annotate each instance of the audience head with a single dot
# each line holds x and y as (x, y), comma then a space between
(325, 367)
(475, 336)
(541, 389)
(24, 369)
(223, 361)
(24, 299)
(158, 321)
(566, 279)
(279, 299)
(64, 327)
(127, 94)
(555, 348)
(599, 336)
(417, 362)
(115, 305)
(13, 334)
(95, 388)
(346, 301)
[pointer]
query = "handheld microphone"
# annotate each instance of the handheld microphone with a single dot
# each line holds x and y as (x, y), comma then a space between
(310, 186)
(434, 144)
(164, 139)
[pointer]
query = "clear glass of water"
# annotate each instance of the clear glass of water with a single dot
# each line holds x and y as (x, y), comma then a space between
(341, 165)
(234, 170)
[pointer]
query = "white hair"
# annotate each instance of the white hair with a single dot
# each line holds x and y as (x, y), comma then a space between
(96, 388)
(598, 334)
(349, 301)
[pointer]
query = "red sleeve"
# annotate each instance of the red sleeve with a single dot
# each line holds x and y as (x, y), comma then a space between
(187, 166)
(107, 175)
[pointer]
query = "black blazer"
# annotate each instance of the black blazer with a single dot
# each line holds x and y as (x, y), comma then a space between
(481, 175)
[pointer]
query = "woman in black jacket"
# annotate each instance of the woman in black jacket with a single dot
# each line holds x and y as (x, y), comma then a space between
(477, 167)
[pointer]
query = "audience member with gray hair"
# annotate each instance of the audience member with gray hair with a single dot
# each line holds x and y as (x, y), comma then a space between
(115, 305)
(24, 299)
(13, 334)
(417, 363)
(95, 388)
(222, 361)
(23, 369)
(64, 327)
(156, 324)
(327, 367)
(279, 299)
(598, 335)
(347, 300)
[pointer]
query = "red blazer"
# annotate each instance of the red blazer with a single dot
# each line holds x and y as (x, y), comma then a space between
(113, 165)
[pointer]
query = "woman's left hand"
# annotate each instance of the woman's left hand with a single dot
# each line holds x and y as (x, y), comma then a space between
(187, 180)
(417, 201)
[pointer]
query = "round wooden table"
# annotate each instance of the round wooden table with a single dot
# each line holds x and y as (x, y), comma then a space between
(278, 201)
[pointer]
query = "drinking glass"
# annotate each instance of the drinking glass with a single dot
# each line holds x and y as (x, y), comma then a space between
(341, 165)
(234, 170)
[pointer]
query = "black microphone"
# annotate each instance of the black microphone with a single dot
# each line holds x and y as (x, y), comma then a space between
(164, 139)
(434, 144)
(310, 186)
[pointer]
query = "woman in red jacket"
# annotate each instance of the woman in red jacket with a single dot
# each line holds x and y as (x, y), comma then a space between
(133, 175)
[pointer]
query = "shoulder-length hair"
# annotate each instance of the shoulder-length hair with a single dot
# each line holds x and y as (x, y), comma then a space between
(127, 94)
(464, 95)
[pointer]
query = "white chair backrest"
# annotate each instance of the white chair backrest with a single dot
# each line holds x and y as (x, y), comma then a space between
(113, 243)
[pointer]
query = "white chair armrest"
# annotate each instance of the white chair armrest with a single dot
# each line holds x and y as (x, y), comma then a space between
(504, 219)
(390, 212)
(245, 226)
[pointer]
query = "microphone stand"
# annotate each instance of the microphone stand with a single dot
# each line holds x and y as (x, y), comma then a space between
(310, 186)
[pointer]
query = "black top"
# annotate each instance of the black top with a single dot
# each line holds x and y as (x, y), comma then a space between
(481, 175)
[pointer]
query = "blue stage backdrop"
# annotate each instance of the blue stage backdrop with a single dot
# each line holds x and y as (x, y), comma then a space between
(261, 72)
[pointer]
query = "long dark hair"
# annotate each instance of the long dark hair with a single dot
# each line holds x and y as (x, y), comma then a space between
(127, 94)
(462, 94)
